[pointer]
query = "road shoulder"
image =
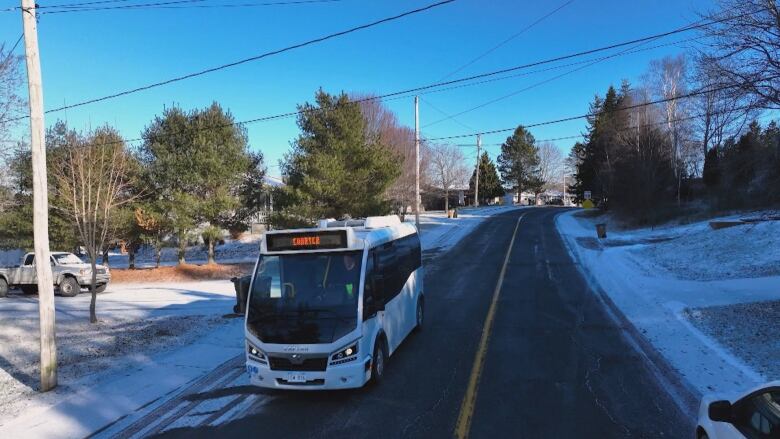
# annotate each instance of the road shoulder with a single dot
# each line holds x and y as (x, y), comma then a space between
(652, 307)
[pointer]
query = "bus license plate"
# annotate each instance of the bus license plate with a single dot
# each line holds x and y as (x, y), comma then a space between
(296, 378)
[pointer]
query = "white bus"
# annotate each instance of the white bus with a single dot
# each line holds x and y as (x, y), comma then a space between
(327, 306)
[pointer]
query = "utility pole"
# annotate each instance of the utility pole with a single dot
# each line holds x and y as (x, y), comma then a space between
(476, 179)
(40, 200)
(417, 163)
(564, 186)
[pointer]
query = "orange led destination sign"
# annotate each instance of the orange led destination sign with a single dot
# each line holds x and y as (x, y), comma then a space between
(315, 240)
(305, 240)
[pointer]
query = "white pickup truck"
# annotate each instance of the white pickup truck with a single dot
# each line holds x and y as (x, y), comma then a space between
(70, 275)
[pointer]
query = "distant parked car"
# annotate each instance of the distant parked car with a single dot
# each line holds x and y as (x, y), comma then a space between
(555, 202)
(70, 275)
(753, 415)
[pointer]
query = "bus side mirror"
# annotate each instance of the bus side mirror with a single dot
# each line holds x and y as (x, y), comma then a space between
(720, 411)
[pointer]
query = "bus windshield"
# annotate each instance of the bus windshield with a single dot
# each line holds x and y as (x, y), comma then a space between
(304, 298)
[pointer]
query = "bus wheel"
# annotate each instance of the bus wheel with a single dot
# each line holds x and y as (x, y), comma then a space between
(3, 287)
(420, 315)
(379, 361)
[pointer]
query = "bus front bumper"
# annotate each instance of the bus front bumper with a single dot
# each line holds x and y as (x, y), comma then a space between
(344, 376)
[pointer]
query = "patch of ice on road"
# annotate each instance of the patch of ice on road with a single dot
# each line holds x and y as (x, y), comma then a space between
(749, 330)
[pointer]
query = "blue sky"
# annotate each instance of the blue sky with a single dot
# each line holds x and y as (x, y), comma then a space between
(91, 54)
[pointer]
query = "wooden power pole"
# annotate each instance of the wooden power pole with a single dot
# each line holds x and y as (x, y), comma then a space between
(417, 163)
(476, 179)
(40, 200)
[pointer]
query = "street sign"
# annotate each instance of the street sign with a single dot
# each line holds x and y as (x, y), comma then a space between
(587, 195)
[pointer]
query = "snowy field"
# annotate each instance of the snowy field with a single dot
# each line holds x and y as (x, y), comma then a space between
(152, 339)
(706, 299)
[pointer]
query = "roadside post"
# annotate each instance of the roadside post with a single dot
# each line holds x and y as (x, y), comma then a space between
(40, 199)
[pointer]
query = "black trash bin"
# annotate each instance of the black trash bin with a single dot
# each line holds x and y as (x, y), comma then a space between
(241, 284)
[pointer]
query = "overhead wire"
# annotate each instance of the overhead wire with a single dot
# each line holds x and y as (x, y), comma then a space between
(411, 90)
(621, 130)
(512, 37)
(183, 4)
(491, 50)
(596, 113)
(249, 59)
(624, 52)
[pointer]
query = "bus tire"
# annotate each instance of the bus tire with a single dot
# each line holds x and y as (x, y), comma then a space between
(420, 315)
(3, 287)
(379, 360)
(69, 287)
(100, 288)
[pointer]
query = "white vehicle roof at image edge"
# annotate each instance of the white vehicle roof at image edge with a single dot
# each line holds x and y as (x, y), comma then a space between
(361, 233)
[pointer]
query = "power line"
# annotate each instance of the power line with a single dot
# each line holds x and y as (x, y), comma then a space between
(512, 37)
(253, 58)
(558, 67)
(583, 116)
(11, 52)
(70, 5)
(627, 51)
(445, 114)
(401, 92)
(492, 49)
(631, 128)
(184, 4)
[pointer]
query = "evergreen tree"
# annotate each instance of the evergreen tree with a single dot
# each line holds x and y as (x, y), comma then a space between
(519, 162)
(489, 182)
(194, 164)
(711, 172)
(335, 168)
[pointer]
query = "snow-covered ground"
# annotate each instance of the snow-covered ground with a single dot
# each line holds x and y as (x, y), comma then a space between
(153, 338)
(707, 300)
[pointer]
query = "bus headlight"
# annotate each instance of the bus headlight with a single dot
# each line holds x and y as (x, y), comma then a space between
(255, 353)
(346, 354)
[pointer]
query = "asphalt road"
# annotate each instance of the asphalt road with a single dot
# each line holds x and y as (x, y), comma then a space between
(555, 365)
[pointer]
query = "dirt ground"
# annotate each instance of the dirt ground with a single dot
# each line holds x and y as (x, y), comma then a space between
(180, 273)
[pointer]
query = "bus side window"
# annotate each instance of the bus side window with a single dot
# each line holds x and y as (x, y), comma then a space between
(368, 292)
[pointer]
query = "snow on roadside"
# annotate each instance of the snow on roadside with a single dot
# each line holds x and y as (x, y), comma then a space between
(136, 321)
(84, 349)
(745, 251)
(647, 274)
(439, 233)
(756, 339)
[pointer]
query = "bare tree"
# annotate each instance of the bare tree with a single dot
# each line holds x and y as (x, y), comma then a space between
(550, 165)
(668, 79)
(448, 169)
(11, 81)
(12, 105)
(745, 49)
(721, 111)
(383, 127)
(91, 183)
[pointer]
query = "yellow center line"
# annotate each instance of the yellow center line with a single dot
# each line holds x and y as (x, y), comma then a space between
(463, 424)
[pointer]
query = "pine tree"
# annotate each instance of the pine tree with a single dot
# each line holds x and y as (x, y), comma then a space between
(489, 182)
(711, 172)
(335, 169)
(194, 163)
(519, 162)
